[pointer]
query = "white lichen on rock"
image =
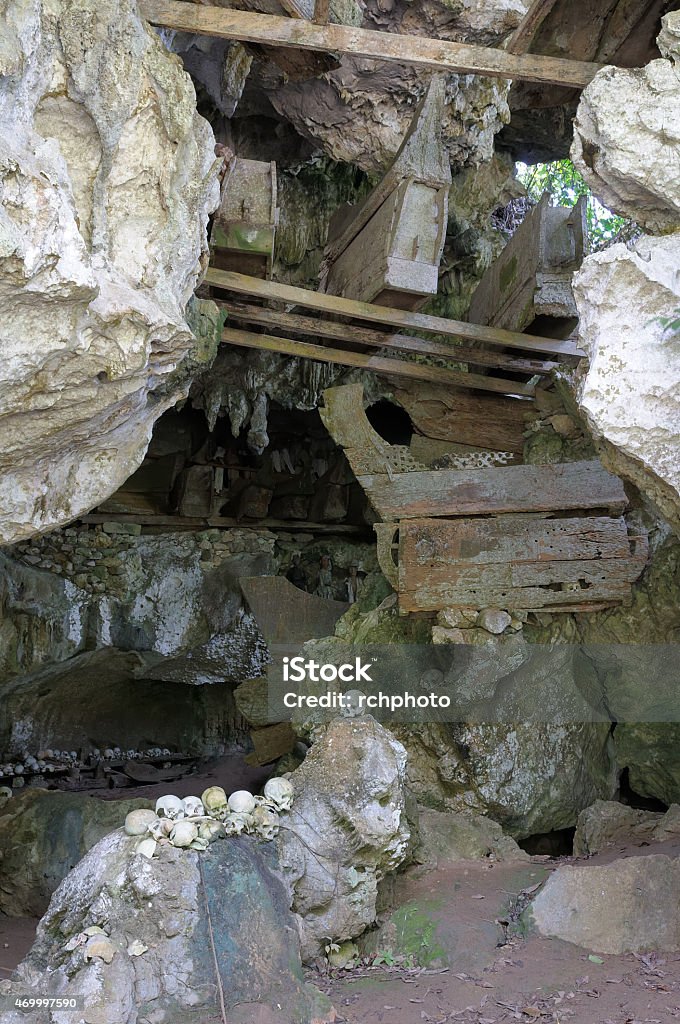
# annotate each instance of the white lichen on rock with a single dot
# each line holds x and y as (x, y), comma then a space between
(107, 177)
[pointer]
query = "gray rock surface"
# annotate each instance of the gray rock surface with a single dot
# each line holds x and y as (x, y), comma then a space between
(107, 178)
(346, 830)
(445, 836)
(43, 835)
(626, 135)
(181, 933)
(628, 906)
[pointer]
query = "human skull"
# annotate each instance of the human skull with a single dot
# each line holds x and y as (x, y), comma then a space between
(169, 807)
(235, 823)
(193, 807)
(242, 802)
(279, 794)
(147, 847)
(214, 801)
(160, 828)
(183, 834)
(266, 823)
(5, 794)
(355, 704)
(137, 822)
(210, 830)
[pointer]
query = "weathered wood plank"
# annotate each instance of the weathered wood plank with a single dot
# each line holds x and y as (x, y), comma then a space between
(437, 54)
(374, 364)
(295, 323)
(443, 542)
(521, 39)
(273, 291)
(505, 489)
(522, 563)
(322, 12)
(485, 421)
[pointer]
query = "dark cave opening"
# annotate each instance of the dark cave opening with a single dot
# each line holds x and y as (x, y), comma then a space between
(559, 843)
(390, 421)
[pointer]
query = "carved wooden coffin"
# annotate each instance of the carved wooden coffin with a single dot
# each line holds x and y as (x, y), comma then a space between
(511, 562)
(388, 249)
(532, 276)
(244, 227)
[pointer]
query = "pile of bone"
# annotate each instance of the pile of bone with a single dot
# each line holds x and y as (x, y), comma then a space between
(193, 823)
(46, 762)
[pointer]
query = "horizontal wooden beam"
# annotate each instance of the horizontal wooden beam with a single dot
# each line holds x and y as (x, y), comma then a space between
(272, 291)
(170, 522)
(376, 364)
(436, 54)
(377, 339)
(497, 491)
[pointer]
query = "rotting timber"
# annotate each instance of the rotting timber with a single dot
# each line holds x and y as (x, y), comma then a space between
(516, 537)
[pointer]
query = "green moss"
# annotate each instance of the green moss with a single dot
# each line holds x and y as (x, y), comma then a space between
(415, 933)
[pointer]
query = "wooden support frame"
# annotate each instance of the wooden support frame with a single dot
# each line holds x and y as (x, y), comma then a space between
(436, 54)
(376, 364)
(398, 318)
(521, 39)
(297, 324)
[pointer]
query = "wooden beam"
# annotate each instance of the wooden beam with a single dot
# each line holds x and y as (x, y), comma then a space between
(376, 364)
(497, 491)
(377, 339)
(400, 318)
(521, 39)
(436, 54)
(322, 12)
(220, 523)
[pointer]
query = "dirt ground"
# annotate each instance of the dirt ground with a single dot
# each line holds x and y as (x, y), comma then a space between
(494, 980)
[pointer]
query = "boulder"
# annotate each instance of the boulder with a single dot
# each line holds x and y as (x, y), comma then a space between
(629, 392)
(607, 824)
(628, 906)
(347, 829)
(446, 836)
(181, 934)
(107, 177)
(624, 113)
(43, 835)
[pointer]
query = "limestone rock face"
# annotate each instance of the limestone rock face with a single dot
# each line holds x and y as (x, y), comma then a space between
(630, 395)
(346, 830)
(607, 823)
(107, 177)
(174, 932)
(623, 114)
(623, 907)
(43, 835)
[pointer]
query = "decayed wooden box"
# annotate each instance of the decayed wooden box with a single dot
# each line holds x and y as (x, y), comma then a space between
(519, 537)
(244, 227)
(532, 276)
(388, 249)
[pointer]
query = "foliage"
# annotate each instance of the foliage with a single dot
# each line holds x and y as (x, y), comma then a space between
(671, 324)
(566, 186)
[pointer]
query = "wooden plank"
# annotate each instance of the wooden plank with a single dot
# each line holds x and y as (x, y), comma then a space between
(503, 489)
(463, 417)
(377, 339)
(510, 563)
(271, 743)
(437, 54)
(273, 291)
(221, 523)
(375, 364)
(521, 39)
(322, 12)
(442, 542)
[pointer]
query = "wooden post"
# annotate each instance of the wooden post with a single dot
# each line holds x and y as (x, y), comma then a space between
(521, 39)
(322, 12)
(436, 54)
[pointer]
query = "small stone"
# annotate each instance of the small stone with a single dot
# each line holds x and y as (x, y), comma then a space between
(564, 425)
(494, 620)
(442, 635)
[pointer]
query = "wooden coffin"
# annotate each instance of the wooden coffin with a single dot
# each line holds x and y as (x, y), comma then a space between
(532, 276)
(244, 227)
(511, 562)
(388, 249)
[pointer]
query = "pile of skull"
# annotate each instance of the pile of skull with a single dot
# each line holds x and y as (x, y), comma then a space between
(193, 823)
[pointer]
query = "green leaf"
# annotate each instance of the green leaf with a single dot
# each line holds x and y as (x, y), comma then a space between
(595, 959)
